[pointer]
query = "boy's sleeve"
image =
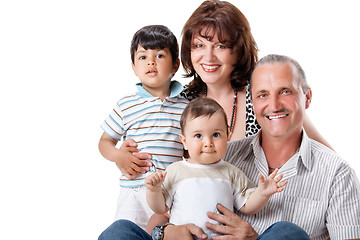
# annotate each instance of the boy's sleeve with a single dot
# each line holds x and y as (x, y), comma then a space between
(113, 124)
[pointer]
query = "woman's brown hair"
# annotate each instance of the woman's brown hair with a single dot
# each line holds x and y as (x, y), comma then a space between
(233, 30)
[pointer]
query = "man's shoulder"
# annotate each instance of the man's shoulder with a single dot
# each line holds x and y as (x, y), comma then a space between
(325, 158)
(239, 145)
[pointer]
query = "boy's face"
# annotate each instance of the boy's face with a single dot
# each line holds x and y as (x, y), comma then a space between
(205, 138)
(154, 68)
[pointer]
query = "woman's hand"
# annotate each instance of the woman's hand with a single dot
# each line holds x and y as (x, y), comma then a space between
(183, 232)
(130, 161)
(234, 226)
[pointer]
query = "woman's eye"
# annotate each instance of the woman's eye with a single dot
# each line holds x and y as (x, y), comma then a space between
(221, 46)
(199, 45)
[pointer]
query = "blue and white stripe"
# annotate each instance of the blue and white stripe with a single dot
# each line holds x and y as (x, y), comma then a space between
(154, 125)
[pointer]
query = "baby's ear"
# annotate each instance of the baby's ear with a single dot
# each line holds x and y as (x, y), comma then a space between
(183, 140)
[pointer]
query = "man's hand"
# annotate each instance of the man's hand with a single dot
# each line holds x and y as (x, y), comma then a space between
(183, 232)
(234, 226)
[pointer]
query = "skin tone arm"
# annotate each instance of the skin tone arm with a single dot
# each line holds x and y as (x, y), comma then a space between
(267, 187)
(154, 195)
(313, 133)
(128, 158)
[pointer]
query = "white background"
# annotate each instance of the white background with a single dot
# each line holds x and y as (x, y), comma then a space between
(64, 64)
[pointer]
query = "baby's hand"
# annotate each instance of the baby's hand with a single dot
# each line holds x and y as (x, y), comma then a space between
(153, 182)
(271, 185)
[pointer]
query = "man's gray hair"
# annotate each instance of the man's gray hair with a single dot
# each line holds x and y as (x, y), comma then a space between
(297, 69)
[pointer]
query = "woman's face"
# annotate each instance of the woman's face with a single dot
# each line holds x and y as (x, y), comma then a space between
(212, 60)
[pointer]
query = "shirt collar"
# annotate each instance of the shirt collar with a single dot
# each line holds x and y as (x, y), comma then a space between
(175, 89)
(303, 153)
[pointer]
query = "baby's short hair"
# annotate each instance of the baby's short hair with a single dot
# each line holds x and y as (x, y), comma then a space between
(201, 107)
(155, 37)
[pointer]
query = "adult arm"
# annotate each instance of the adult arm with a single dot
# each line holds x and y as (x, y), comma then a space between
(173, 232)
(342, 218)
(128, 158)
(234, 227)
(313, 133)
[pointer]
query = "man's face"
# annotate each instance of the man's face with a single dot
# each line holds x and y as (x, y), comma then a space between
(278, 100)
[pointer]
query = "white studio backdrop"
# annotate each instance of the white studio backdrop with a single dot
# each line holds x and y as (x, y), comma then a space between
(64, 64)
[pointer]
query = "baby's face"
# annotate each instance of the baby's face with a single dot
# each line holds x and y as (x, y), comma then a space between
(154, 68)
(205, 138)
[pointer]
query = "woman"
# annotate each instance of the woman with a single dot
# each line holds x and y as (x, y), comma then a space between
(219, 52)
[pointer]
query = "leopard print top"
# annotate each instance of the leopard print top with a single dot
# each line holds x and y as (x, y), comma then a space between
(252, 126)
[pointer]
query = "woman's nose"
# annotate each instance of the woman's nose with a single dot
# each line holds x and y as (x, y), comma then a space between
(209, 54)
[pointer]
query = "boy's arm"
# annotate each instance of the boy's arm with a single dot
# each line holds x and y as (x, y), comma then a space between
(267, 187)
(154, 195)
(127, 157)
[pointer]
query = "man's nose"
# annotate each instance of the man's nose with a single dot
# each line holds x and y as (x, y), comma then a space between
(275, 103)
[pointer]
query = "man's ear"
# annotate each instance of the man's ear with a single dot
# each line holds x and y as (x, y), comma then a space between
(308, 97)
(176, 66)
(183, 140)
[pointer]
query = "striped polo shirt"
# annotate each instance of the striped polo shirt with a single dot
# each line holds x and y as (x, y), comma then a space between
(322, 196)
(154, 125)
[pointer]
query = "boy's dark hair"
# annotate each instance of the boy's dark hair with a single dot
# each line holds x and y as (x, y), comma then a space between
(201, 107)
(155, 37)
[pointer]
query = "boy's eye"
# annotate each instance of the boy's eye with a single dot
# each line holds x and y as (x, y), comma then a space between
(142, 57)
(216, 135)
(198, 136)
(160, 56)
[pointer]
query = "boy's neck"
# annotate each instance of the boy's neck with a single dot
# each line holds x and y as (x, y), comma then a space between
(161, 93)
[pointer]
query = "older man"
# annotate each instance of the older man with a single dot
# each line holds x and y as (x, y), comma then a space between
(323, 193)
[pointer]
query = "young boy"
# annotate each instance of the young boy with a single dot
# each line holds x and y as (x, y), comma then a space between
(151, 117)
(197, 184)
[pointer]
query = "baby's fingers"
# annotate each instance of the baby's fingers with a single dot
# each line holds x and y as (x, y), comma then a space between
(281, 185)
(278, 178)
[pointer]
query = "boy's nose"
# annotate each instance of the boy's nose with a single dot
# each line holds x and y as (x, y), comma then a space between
(151, 63)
